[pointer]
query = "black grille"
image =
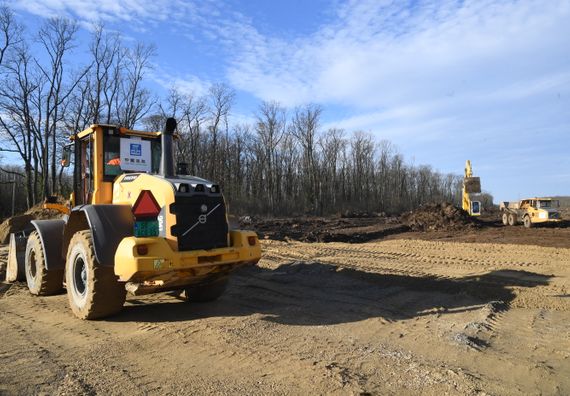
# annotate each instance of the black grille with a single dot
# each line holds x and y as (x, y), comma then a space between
(200, 221)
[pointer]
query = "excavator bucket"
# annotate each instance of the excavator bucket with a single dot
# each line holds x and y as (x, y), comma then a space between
(15, 270)
(472, 185)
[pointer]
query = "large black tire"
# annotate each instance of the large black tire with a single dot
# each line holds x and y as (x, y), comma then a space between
(527, 223)
(505, 218)
(512, 219)
(93, 290)
(207, 291)
(41, 282)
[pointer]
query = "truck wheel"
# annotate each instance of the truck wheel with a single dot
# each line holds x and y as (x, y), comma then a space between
(527, 223)
(41, 282)
(512, 219)
(207, 291)
(93, 290)
(505, 218)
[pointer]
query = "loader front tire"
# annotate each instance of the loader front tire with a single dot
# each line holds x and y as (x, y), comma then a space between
(207, 291)
(41, 282)
(93, 290)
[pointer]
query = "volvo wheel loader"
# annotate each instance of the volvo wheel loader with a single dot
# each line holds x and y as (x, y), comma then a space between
(132, 225)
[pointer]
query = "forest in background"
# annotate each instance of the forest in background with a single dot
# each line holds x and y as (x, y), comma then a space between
(283, 162)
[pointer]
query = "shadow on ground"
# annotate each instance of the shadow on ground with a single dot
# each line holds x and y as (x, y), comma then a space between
(323, 294)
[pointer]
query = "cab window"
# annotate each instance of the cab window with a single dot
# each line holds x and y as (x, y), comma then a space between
(112, 156)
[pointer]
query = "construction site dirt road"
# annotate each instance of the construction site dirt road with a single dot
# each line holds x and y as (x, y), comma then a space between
(396, 316)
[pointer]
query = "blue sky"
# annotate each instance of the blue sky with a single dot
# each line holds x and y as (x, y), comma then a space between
(444, 80)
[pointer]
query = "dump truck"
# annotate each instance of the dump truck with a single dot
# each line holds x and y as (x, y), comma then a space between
(471, 191)
(530, 211)
(132, 225)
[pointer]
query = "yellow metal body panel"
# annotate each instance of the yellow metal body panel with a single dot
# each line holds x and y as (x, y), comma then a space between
(126, 193)
(161, 261)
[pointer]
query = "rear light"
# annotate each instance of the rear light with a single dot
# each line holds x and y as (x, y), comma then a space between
(146, 206)
(142, 250)
(252, 240)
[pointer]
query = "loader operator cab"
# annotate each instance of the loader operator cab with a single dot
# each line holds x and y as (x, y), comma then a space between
(103, 152)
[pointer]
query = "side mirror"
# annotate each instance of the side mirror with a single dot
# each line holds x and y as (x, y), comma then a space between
(65, 156)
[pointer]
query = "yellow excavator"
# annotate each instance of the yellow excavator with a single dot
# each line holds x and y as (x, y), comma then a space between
(471, 191)
(133, 225)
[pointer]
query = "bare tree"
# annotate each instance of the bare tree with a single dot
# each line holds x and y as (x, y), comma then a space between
(135, 101)
(221, 98)
(304, 127)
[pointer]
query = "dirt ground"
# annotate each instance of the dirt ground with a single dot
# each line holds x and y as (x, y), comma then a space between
(486, 229)
(400, 315)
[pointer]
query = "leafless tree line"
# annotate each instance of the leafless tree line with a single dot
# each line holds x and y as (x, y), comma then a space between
(282, 162)
(44, 94)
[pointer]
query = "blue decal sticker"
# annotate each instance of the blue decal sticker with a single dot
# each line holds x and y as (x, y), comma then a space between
(136, 149)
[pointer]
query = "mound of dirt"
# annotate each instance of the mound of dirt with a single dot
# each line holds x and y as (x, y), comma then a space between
(322, 229)
(14, 224)
(39, 213)
(434, 217)
(22, 222)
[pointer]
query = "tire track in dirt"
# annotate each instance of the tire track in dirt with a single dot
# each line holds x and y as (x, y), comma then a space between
(315, 318)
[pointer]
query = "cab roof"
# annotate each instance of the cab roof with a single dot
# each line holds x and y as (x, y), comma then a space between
(122, 131)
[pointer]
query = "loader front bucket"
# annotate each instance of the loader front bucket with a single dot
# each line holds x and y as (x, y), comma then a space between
(15, 270)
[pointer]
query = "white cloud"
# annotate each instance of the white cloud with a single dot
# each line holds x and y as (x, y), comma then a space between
(381, 54)
(187, 84)
(138, 14)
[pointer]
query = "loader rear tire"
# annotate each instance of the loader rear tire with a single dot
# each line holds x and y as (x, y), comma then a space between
(93, 290)
(207, 291)
(505, 218)
(512, 219)
(41, 282)
(527, 222)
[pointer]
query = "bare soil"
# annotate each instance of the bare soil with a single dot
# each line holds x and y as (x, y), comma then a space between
(397, 316)
(322, 229)
(445, 224)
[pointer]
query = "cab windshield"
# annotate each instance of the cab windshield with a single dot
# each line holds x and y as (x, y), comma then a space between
(547, 203)
(128, 154)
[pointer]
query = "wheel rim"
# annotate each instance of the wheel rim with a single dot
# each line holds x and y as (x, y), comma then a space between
(79, 276)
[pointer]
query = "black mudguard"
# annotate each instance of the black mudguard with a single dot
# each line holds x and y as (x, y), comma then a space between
(109, 224)
(51, 236)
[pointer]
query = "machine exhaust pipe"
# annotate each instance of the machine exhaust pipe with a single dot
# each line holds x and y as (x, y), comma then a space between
(167, 155)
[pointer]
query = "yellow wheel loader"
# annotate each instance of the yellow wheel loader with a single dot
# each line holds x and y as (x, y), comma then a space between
(132, 225)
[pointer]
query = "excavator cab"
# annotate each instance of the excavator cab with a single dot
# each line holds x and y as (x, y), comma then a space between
(475, 209)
